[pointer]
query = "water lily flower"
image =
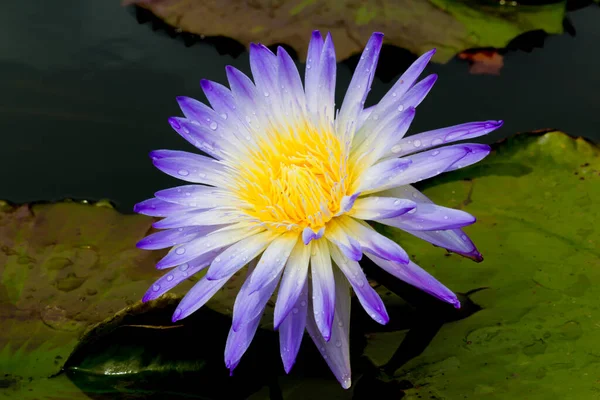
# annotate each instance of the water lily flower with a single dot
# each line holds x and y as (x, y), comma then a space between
(286, 187)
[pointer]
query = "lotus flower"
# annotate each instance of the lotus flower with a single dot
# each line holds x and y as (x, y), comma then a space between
(285, 187)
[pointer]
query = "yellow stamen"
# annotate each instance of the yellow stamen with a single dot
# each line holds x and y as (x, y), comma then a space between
(295, 178)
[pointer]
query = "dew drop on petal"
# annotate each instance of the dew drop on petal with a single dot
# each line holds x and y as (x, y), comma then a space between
(417, 143)
(445, 217)
(180, 250)
(338, 343)
(183, 172)
(184, 267)
(218, 259)
(400, 107)
(396, 149)
(340, 324)
(436, 142)
(169, 278)
(213, 125)
(224, 116)
(156, 287)
(435, 153)
(303, 303)
(266, 94)
(295, 310)
(396, 202)
(394, 94)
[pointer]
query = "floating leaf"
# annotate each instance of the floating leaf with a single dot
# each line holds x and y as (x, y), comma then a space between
(416, 25)
(536, 200)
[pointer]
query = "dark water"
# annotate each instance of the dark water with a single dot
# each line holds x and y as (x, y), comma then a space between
(86, 93)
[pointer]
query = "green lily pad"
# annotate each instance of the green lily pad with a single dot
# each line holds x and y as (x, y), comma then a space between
(536, 337)
(65, 268)
(417, 25)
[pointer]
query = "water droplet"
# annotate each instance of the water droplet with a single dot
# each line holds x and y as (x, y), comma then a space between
(414, 210)
(303, 303)
(400, 107)
(266, 94)
(396, 202)
(307, 66)
(396, 149)
(169, 278)
(213, 125)
(394, 94)
(156, 287)
(202, 175)
(435, 153)
(445, 217)
(180, 250)
(464, 237)
(338, 343)
(184, 267)
(436, 142)
(375, 117)
(248, 138)
(361, 283)
(183, 172)
(295, 310)
(417, 143)
(224, 115)
(218, 259)
(340, 324)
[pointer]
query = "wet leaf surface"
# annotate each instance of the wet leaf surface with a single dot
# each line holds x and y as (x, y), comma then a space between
(535, 198)
(450, 26)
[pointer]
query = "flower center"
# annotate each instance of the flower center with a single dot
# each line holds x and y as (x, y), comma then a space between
(296, 178)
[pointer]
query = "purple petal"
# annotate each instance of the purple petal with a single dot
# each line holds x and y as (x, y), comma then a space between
(309, 235)
(335, 351)
(437, 137)
(326, 81)
(177, 275)
(413, 274)
(347, 244)
(193, 169)
(250, 305)
(197, 196)
(347, 203)
(377, 142)
(173, 237)
(292, 329)
(372, 207)
(200, 136)
(272, 261)
(238, 342)
(367, 296)
(359, 87)
(246, 97)
(188, 251)
(291, 91)
(362, 117)
(238, 255)
(294, 279)
(373, 242)
(417, 93)
(311, 75)
(223, 102)
(381, 174)
(197, 296)
(454, 240)
(429, 217)
(158, 208)
(477, 152)
(395, 96)
(213, 216)
(323, 287)
(263, 64)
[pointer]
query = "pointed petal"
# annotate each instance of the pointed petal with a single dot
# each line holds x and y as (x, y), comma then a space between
(159, 208)
(326, 83)
(429, 217)
(238, 342)
(291, 92)
(201, 137)
(373, 242)
(263, 64)
(373, 207)
(177, 275)
(394, 97)
(413, 274)
(380, 175)
(309, 235)
(293, 282)
(323, 287)
(238, 255)
(213, 216)
(272, 261)
(291, 330)
(367, 296)
(173, 237)
(359, 87)
(248, 102)
(188, 251)
(454, 240)
(198, 196)
(311, 75)
(347, 203)
(197, 296)
(336, 351)
(437, 137)
(194, 168)
(347, 244)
